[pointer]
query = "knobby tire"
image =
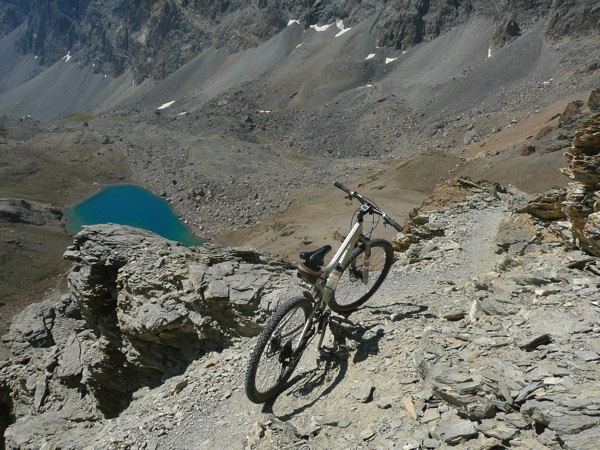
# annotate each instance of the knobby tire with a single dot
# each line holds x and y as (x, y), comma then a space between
(271, 364)
(351, 292)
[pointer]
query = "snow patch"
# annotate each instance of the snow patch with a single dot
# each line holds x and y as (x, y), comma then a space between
(404, 52)
(370, 56)
(490, 52)
(292, 21)
(299, 45)
(67, 57)
(264, 111)
(36, 57)
(340, 25)
(182, 113)
(342, 32)
(320, 27)
(389, 60)
(166, 105)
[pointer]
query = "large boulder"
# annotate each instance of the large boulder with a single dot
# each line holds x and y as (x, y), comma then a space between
(547, 205)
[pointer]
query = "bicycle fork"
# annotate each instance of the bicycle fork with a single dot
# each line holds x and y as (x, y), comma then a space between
(366, 262)
(323, 322)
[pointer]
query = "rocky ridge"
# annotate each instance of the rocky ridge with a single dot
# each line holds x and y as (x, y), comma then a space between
(141, 309)
(155, 38)
(486, 333)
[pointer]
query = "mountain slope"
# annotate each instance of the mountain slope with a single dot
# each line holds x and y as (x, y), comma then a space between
(152, 38)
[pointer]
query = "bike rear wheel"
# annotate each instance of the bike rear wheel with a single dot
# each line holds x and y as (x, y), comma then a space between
(274, 359)
(352, 291)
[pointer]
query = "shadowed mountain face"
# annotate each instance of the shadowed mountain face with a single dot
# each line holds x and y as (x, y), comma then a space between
(152, 38)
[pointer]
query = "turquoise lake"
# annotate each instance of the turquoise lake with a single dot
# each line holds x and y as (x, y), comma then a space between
(134, 206)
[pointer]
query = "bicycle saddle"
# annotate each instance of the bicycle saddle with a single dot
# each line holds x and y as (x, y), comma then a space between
(316, 257)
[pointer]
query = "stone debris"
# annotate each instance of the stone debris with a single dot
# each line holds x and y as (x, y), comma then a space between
(410, 407)
(365, 392)
(453, 430)
(484, 335)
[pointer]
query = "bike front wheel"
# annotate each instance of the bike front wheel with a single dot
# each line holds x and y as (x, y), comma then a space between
(277, 352)
(352, 291)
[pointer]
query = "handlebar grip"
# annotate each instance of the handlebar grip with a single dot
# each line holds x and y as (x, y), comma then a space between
(393, 223)
(339, 185)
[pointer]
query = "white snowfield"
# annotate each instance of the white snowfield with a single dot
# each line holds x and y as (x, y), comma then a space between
(67, 57)
(166, 105)
(370, 56)
(389, 60)
(340, 25)
(320, 27)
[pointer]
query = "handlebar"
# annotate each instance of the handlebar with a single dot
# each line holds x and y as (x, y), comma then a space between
(339, 185)
(373, 210)
(392, 222)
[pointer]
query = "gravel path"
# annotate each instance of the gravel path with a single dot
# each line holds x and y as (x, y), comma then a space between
(386, 330)
(486, 335)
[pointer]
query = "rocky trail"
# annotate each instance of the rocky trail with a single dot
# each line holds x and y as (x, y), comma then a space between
(486, 333)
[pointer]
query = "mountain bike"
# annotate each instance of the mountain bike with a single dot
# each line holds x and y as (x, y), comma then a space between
(355, 272)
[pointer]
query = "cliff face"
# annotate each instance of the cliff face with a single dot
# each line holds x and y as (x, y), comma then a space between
(155, 37)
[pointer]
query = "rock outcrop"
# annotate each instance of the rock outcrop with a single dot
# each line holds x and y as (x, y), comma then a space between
(547, 205)
(141, 308)
(581, 205)
(417, 226)
(505, 33)
(18, 210)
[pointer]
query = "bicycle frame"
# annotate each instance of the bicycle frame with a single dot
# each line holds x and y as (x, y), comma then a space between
(340, 258)
(341, 286)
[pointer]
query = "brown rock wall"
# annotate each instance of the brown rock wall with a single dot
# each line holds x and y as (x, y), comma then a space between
(581, 204)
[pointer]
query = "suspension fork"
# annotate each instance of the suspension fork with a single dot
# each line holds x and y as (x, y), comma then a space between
(307, 332)
(323, 322)
(367, 261)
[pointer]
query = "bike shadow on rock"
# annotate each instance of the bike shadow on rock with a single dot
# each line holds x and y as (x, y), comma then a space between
(303, 384)
(364, 341)
(416, 311)
(366, 334)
